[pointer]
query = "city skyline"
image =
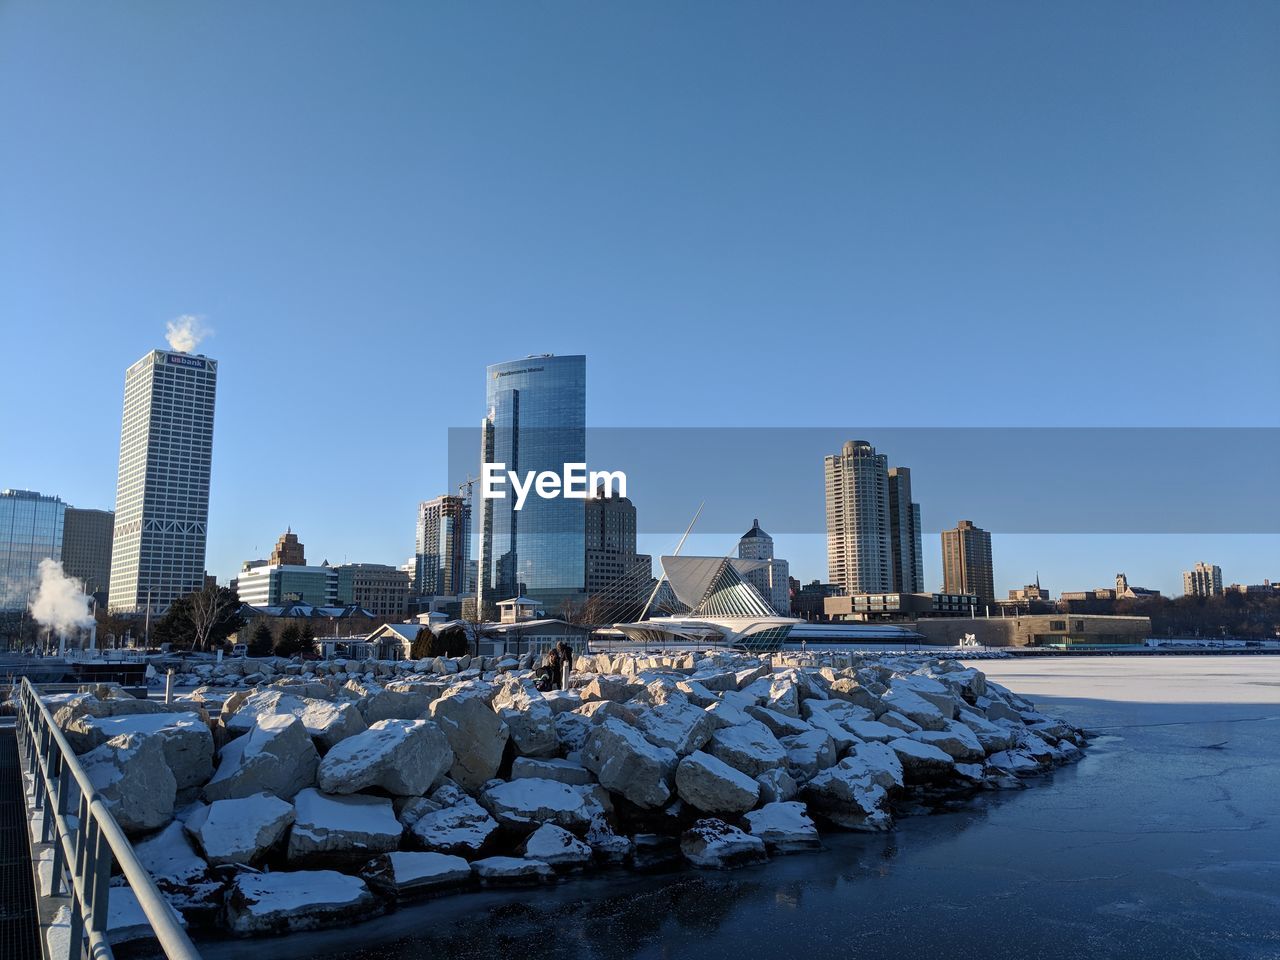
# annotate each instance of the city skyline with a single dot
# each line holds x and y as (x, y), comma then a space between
(1021, 193)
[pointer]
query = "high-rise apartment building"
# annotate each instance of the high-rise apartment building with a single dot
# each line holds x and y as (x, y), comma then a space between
(31, 530)
(535, 421)
(966, 562)
(859, 545)
(442, 561)
(904, 534)
(162, 490)
(86, 548)
(1203, 580)
(262, 584)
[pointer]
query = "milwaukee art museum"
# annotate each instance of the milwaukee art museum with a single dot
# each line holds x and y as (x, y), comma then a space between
(710, 601)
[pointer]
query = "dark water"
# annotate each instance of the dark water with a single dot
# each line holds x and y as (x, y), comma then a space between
(1164, 842)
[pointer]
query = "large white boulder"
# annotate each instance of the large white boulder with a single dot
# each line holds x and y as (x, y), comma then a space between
(185, 738)
(779, 724)
(334, 830)
(404, 702)
(957, 741)
(528, 717)
(849, 796)
(777, 785)
(809, 752)
(461, 829)
(628, 764)
(403, 757)
(784, 827)
(882, 763)
(180, 872)
(556, 846)
(477, 736)
(276, 756)
(716, 845)
(677, 725)
(712, 786)
(133, 779)
(243, 830)
(530, 801)
(918, 709)
(331, 723)
(405, 874)
(749, 747)
(922, 762)
(289, 901)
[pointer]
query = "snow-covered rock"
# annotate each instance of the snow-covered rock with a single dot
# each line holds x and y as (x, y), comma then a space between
(405, 874)
(289, 901)
(921, 762)
(462, 829)
(179, 872)
(749, 747)
(809, 752)
(185, 738)
(556, 846)
(784, 827)
(403, 757)
(777, 785)
(243, 830)
(677, 725)
(530, 801)
(849, 796)
(909, 703)
(476, 735)
(714, 844)
(628, 764)
(133, 779)
(712, 786)
(957, 741)
(500, 871)
(341, 830)
(564, 771)
(276, 756)
(528, 717)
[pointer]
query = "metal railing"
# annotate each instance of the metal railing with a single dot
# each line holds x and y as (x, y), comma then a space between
(86, 841)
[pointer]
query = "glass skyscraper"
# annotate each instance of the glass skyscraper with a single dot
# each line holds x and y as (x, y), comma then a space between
(536, 420)
(31, 529)
(162, 491)
(443, 557)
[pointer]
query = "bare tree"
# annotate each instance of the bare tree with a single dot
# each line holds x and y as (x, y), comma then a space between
(214, 611)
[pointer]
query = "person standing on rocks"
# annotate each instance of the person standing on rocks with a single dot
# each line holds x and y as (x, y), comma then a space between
(566, 664)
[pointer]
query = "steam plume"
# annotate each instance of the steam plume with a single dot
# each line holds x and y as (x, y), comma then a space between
(184, 333)
(59, 604)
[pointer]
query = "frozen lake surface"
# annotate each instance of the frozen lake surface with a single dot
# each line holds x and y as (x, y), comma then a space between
(1164, 842)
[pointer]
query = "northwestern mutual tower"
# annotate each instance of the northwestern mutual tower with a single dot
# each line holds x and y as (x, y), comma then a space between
(536, 420)
(162, 491)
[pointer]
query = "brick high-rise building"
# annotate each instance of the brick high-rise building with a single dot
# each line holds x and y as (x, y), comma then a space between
(966, 562)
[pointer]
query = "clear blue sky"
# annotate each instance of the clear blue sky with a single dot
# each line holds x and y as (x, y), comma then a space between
(923, 214)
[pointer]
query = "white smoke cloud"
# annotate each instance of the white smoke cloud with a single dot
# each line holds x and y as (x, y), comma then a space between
(184, 333)
(59, 604)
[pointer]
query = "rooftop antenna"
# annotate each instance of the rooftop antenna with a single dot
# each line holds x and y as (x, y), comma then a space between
(658, 586)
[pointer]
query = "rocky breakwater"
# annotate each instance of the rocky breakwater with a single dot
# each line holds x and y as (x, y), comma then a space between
(332, 793)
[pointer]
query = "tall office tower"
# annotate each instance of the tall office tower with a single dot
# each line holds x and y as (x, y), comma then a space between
(288, 551)
(904, 533)
(31, 530)
(162, 492)
(1203, 580)
(859, 546)
(966, 562)
(381, 589)
(86, 549)
(619, 577)
(443, 547)
(773, 579)
(536, 420)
